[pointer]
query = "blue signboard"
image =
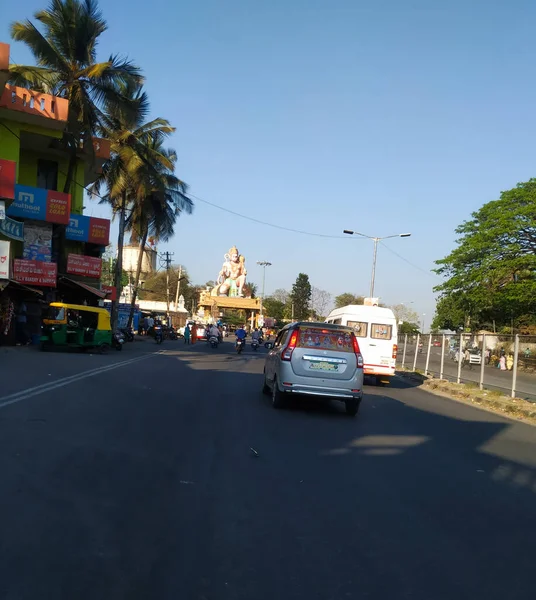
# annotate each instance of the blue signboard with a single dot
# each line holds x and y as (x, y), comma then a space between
(12, 229)
(78, 228)
(30, 203)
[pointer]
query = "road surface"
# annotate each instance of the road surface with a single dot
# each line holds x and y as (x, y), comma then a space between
(493, 378)
(131, 476)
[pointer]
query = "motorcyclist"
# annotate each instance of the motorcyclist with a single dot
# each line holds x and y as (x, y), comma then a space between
(256, 335)
(241, 334)
(213, 331)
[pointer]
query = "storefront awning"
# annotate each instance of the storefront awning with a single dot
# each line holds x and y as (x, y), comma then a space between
(88, 288)
(4, 284)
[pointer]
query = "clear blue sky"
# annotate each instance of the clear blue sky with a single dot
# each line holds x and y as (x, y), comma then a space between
(380, 116)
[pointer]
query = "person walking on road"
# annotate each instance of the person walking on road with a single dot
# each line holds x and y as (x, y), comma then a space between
(193, 333)
(187, 334)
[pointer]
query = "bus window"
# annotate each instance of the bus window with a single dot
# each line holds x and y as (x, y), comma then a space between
(381, 331)
(360, 328)
(337, 321)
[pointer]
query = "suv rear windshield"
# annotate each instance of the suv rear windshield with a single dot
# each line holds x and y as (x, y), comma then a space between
(326, 339)
(381, 331)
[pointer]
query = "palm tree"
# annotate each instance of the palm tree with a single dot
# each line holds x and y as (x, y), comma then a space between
(161, 198)
(66, 67)
(123, 175)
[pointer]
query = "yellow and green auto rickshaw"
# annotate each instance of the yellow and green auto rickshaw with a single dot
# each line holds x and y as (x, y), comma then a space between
(77, 326)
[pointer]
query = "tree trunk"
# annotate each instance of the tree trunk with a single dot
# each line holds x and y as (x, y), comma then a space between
(141, 252)
(71, 170)
(119, 263)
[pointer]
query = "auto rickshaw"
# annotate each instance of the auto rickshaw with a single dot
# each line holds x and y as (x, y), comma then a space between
(76, 326)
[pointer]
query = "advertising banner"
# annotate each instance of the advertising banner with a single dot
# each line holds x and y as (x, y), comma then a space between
(41, 205)
(111, 290)
(88, 229)
(12, 229)
(8, 168)
(4, 259)
(88, 266)
(38, 241)
(33, 272)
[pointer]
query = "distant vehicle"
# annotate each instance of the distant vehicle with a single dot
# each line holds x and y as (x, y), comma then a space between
(317, 359)
(376, 331)
(436, 343)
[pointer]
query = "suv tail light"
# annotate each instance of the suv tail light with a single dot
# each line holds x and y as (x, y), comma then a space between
(357, 351)
(287, 352)
(395, 351)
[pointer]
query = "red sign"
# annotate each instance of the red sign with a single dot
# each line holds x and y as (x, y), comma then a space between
(58, 207)
(35, 272)
(8, 168)
(111, 290)
(77, 264)
(99, 231)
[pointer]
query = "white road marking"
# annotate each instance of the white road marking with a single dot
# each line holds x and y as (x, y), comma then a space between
(52, 385)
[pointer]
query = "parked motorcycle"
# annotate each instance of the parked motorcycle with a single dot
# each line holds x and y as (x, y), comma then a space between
(128, 333)
(158, 334)
(239, 346)
(213, 341)
(118, 339)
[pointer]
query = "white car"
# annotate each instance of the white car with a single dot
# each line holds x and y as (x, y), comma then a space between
(474, 357)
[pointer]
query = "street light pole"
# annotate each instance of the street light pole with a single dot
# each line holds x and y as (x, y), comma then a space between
(263, 264)
(374, 256)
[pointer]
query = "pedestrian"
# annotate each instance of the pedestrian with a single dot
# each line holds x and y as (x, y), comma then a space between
(510, 362)
(502, 363)
(187, 334)
(194, 333)
(20, 325)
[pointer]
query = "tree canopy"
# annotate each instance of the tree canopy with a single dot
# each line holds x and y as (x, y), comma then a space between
(301, 297)
(348, 298)
(490, 275)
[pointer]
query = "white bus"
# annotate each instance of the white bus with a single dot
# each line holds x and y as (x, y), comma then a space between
(377, 334)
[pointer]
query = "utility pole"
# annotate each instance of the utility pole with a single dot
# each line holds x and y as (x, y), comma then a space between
(165, 261)
(178, 286)
(263, 264)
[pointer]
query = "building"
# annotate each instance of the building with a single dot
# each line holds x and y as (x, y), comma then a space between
(49, 250)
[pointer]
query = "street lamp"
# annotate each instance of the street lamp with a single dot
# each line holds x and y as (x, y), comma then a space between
(263, 264)
(375, 240)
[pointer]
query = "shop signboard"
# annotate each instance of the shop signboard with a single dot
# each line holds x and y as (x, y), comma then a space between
(111, 290)
(8, 169)
(12, 229)
(38, 241)
(4, 259)
(40, 204)
(88, 229)
(34, 272)
(88, 266)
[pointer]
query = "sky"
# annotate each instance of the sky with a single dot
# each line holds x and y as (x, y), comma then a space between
(383, 117)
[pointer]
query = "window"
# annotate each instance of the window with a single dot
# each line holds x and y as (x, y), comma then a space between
(381, 332)
(360, 328)
(336, 321)
(326, 339)
(89, 319)
(47, 174)
(280, 339)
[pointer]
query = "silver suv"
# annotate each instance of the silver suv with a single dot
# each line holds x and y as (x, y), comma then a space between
(320, 359)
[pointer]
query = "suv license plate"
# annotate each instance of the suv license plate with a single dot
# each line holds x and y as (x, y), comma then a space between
(323, 366)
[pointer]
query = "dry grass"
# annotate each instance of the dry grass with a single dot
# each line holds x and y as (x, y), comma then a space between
(470, 393)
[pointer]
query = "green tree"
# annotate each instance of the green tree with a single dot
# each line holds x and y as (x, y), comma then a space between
(408, 328)
(300, 297)
(450, 313)
(348, 298)
(66, 56)
(274, 308)
(490, 275)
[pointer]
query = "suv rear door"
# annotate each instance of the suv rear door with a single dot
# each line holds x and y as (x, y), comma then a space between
(324, 353)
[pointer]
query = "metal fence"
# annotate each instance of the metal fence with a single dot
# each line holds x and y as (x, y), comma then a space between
(501, 362)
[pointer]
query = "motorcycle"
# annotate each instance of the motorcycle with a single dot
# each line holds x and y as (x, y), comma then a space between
(128, 333)
(255, 344)
(158, 334)
(239, 346)
(213, 341)
(118, 339)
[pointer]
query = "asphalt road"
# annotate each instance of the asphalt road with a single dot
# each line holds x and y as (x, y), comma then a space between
(138, 482)
(493, 378)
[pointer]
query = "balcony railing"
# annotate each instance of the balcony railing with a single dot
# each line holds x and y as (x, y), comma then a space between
(34, 103)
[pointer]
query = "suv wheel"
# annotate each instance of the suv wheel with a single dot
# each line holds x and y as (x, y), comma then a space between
(352, 406)
(278, 397)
